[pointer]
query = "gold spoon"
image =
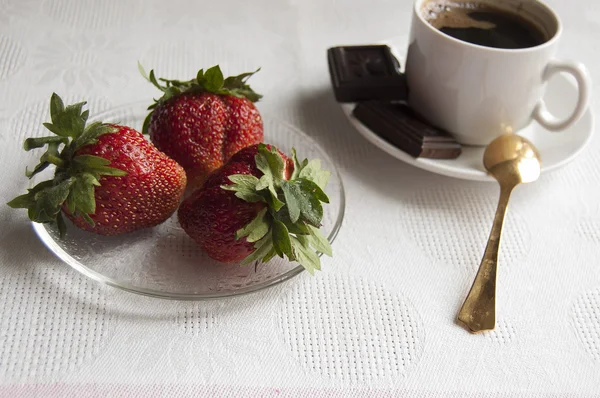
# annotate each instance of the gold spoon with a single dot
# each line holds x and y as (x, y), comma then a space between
(511, 160)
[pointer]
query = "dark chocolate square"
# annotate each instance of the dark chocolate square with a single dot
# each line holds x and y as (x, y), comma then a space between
(362, 73)
(406, 130)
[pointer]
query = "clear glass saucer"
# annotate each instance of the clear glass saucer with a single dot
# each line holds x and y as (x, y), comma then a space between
(163, 261)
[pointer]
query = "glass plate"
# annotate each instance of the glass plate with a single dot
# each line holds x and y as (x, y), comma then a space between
(163, 261)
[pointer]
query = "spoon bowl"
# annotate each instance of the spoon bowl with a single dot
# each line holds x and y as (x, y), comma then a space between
(511, 160)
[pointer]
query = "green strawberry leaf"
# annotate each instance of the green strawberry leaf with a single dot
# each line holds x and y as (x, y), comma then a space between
(57, 107)
(243, 181)
(313, 189)
(91, 133)
(317, 240)
(297, 165)
(66, 121)
(152, 79)
(22, 201)
(255, 229)
(265, 182)
(62, 227)
(200, 76)
(175, 83)
(267, 179)
(244, 186)
(28, 200)
(271, 160)
(48, 202)
(293, 199)
(70, 202)
(262, 249)
(274, 200)
(271, 164)
(171, 92)
(272, 253)
(298, 228)
(249, 196)
(147, 123)
(142, 71)
(313, 213)
(96, 164)
(88, 219)
(37, 169)
(213, 79)
(305, 255)
(81, 198)
(304, 196)
(248, 93)
(55, 129)
(72, 120)
(312, 171)
(235, 82)
(236, 86)
(281, 240)
(263, 164)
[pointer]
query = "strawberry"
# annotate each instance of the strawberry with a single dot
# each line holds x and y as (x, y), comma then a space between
(109, 179)
(202, 122)
(258, 205)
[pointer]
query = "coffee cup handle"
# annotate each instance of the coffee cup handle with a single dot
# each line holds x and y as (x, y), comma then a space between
(581, 75)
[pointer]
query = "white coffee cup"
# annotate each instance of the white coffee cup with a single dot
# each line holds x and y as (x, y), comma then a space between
(478, 93)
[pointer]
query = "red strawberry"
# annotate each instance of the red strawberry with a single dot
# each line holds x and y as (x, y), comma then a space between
(201, 123)
(260, 204)
(108, 180)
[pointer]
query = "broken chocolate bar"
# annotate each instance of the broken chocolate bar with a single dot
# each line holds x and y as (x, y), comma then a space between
(362, 73)
(403, 128)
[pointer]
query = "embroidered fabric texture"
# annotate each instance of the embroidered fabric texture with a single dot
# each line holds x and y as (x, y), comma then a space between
(379, 320)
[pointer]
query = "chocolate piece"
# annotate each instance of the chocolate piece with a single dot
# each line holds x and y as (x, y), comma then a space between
(406, 130)
(362, 73)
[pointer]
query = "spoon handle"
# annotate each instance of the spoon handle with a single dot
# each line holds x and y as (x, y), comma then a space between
(478, 312)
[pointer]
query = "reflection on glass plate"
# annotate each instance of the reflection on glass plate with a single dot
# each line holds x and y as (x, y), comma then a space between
(163, 261)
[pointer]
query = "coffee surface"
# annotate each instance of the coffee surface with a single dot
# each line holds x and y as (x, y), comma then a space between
(482, 24)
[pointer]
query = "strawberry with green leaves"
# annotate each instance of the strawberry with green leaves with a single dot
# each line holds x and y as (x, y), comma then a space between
(108, 178)
(203, 122)
(260, 205)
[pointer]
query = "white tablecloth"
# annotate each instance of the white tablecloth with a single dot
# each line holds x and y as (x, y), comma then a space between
(379, 320)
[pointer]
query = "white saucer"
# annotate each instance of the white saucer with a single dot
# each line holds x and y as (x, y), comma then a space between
(556, 149)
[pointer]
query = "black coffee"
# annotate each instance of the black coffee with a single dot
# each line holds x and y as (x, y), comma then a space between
(482, 24)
